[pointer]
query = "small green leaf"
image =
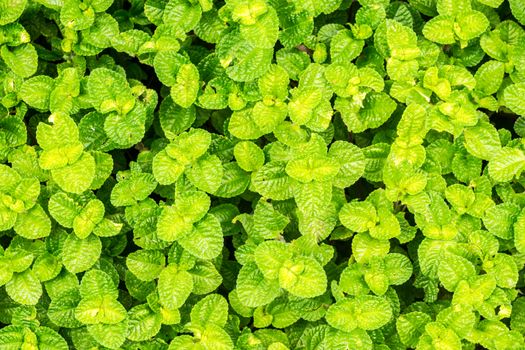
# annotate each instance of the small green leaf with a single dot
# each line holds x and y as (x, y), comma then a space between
(303, 277)
(170, 297)
(24, 288)
(79, 255)
(146, 264)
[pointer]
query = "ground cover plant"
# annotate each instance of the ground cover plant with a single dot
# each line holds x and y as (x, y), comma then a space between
(262, 174)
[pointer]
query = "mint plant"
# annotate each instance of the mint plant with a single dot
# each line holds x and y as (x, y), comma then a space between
(262, 174)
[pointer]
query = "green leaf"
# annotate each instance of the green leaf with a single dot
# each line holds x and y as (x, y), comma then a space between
(62, 309)
(489, 77)
(24, 288)
(206, 173)
(344, 47)
(242, 125)
(166, 169)
(372, 112)
(212, 309)
(173, 118)
(86, 221)
(351, 160)
(303, 277)
(78, 254)
(184, 91)
(253, 289)
(506, 164)
(109, 335)
(504, 269)
(248, 155)
(205, 276)
(519, 233)
(189, 146)
(366, 312)
(440, 29)
(274, 83)
(33, 224)
(10, 10)
(249, 62)
(482, 141)
(512, 95)
(264, 32)
(109, 91)
(97, 283)
(272, 181)
(411, 326)
(517, 10)
(454, 269)
(358, 216)
(517, 320)
(453, 7)
(36, 90)
(143, 323)
(46, 267)
(22, 60)
(312, 169)
(182, 14)
(72, 17)
(173, 298)
(205, 240)
(470, 25)
(146, 264)
(133, 189)
(398, 268)
(63, 209)
(76, 177)
(270, 256)
(365, 247)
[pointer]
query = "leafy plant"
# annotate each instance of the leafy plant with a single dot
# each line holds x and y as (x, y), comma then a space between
(262, 174)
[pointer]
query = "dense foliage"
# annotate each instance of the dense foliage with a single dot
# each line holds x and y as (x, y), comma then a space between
(262, 174)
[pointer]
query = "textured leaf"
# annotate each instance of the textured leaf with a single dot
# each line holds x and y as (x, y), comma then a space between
(77, 177)
(24, 288)
(264, 32)
(80, 254)
(182, 14)
(62, 309)
(517, 10)
(270, 256)
(33, 224)
(453, 269)
(97, 283)
(184, 91)
(212, 309)
(410, 327)
(253, 288)
(303, 277)
(366, 312)
(133, 189)
(170, 297)
(512, 95)
(506, 163)
(205, 239)
(482, 141)
(272, 181)
(35, 91)
(111, 336)
(440, 30)
(23, 59)
(143, 323)
(358, 216)
(146, 264)
(10, 10)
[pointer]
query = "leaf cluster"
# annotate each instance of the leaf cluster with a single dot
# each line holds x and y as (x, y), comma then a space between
(262, 174)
